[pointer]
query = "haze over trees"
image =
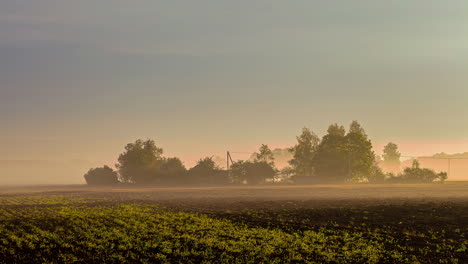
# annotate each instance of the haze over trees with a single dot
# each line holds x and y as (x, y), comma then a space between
(206, 172)
(391, 157)
(281, 157)
(340, 156)
(258, 171)
(416, 174)
(265, 155)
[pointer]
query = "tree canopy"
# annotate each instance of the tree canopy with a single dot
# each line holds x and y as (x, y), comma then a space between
(391, 153)
(331, 161)
(265, 155)
(101, 176)
(304, 152)
(391, 158)
(361, 156)
(339, 156)
(255, 172)
(344, 157)
(172, 171)
(139, 161)
(206, 172)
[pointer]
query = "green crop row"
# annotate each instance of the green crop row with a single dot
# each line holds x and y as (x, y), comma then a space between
(65, 232)
(144, 234)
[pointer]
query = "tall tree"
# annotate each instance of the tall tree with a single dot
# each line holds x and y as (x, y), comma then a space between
(139, 162)
(304, 152)
(331, 159)
(391, 158)
(361, 158)
(265, 155)
(391, 153)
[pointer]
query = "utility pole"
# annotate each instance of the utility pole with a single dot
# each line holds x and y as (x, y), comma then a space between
(228, 158)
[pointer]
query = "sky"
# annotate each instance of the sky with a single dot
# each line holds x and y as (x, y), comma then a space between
(80, 79)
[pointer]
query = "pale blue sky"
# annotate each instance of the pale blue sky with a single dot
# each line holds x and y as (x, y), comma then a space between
(79, 79)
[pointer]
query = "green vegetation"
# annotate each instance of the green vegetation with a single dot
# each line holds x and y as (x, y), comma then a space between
(140, 162)
(54, 229)
(255, 172)
(336, 158)
(304, 151)
(206, 172)
(101, 176)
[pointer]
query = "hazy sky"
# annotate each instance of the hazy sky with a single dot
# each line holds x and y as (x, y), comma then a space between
(79, 79)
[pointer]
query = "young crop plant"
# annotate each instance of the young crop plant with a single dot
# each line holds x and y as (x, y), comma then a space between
(68, 230)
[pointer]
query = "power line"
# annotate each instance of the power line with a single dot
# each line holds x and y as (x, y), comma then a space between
(241, 152)
(419, 157)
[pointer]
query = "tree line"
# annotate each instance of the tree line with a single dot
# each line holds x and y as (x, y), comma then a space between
(340, 156)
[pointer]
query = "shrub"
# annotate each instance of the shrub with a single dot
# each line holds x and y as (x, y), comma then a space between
(415, 174)
(249, 172)
(206, 172)
(172, 171)
(101, 176)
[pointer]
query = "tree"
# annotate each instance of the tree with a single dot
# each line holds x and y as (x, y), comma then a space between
(342, 157)
(101, 176)
(238, 171)
(172, 171)
(140, 161)
(255, 172)
(206, 172)
(281, 157)
(286, 173)
(361, 158)
(265, 155)
(303, 153)
(391, 157)
(377, 175)
(331, 159)
(391, 153)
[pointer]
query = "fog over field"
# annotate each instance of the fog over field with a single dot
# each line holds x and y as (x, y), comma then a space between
(212, 76)
(320, 195)
(246, 131)
(29, 172)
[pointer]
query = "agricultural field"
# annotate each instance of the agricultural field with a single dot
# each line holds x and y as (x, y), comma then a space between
(267, 224)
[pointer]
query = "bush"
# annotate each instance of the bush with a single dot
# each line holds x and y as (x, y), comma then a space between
(101, 176)
(172, 171)
(206, 172)
(249, 172)
(415, 174)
